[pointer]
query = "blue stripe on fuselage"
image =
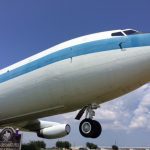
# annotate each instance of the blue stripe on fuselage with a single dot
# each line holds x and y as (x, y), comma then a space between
(82, 49)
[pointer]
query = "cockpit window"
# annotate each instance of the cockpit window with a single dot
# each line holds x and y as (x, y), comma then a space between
(117, 34)
(129, 32)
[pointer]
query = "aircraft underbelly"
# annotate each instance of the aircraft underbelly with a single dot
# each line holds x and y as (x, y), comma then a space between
(56, 88)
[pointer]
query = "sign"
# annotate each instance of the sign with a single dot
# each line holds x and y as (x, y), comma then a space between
(10, 139)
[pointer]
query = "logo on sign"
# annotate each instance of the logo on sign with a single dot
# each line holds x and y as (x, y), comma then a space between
(10, 139)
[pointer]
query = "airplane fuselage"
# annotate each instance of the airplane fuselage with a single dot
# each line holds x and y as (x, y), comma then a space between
(69, 76)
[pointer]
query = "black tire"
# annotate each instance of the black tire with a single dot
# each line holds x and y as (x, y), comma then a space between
(97, 129)
(85, 133)
(93, 129)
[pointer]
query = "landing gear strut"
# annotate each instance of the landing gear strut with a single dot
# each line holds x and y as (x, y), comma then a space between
(88, 127)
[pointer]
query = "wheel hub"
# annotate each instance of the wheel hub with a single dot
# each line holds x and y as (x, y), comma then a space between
(86, 127)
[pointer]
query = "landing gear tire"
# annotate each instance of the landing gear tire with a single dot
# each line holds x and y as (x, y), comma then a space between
(85, 127)
(90, 128)
(97, 129)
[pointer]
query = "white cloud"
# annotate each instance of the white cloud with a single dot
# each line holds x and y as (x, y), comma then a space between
(139, 122)
(106, 114)
(141, 115)
(119, 114)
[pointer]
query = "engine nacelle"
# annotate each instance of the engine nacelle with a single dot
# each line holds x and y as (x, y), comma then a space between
(56, 131)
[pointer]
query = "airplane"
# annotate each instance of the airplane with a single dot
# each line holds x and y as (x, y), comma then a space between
(78, 74)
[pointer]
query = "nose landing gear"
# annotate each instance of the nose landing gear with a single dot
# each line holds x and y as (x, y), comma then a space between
(88, 127)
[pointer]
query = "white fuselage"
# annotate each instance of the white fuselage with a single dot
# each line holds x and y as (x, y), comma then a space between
(69, 84)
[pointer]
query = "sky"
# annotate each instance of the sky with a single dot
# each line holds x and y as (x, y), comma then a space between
(31, 26)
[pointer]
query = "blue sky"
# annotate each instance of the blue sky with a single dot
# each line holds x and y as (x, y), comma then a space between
(30, 26)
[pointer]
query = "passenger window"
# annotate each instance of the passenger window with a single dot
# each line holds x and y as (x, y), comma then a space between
(117, 34)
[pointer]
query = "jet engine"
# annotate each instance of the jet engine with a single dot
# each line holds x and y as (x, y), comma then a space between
(56, 131)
